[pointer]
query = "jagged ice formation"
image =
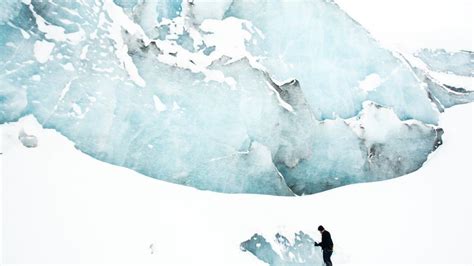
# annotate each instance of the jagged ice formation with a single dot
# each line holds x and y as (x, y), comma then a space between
(268, 97)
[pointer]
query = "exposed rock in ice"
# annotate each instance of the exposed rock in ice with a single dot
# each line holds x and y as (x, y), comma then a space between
(444, 94)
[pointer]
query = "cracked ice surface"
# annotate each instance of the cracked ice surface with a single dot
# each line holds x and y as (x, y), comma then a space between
(268, 97)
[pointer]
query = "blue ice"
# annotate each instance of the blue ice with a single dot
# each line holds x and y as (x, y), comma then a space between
(312, 102)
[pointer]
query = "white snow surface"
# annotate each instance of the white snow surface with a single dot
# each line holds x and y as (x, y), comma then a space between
(42, 51)
(62, 206)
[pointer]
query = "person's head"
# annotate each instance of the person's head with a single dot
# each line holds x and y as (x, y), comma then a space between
(321, 229)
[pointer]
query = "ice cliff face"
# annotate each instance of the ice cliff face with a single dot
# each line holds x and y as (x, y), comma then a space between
(270, 97)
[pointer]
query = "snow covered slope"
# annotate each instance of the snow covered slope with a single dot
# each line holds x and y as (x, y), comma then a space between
(62, 206)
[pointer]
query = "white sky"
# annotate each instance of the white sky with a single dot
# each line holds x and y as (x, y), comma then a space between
(411, 24)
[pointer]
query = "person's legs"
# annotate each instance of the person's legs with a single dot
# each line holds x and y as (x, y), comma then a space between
(327, 257)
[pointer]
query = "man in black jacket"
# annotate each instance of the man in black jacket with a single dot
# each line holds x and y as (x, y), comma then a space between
(326, 245)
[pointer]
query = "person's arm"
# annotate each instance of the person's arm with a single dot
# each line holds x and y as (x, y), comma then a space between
(316, 244)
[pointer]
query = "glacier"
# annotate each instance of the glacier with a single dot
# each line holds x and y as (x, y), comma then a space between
(459, 62)
(264, 97)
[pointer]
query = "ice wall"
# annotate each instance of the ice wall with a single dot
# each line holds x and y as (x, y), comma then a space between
(238, 96)
(318, 35)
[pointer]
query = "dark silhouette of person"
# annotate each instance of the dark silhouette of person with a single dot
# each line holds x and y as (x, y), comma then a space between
(326, 245)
